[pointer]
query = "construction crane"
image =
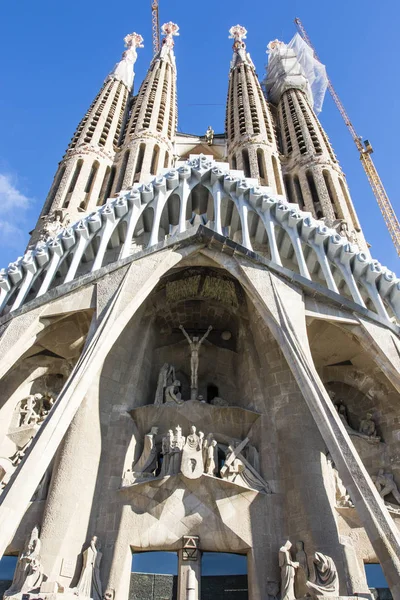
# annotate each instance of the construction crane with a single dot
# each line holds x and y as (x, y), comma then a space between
(155, 24)
(365, 149)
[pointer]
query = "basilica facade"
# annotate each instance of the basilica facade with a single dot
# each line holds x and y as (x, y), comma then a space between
(198, 353)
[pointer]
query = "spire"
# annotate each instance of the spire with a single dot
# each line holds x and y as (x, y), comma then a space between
(147, 141)
(238, 33)
(85, 174)
(250, 127)
(123, 70)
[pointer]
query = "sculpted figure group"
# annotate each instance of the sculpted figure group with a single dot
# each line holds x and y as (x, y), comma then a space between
(28, 416)
(29, 575)
(195, 454)
(367, 427)
(320, 576)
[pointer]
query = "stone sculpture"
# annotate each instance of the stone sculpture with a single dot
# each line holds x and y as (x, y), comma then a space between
(211, 465)
(324, 578)
(29, 416)
(165, 451)
(209, 135)
(385, 484)
(192, 465)
(28, 573)
(368, 427)
(288, 572)
(147, 463)
(89, 583)
(172, 393)
(217, 401)
(238, 470)
(342, 497)
(177, 442)
(166, 378)
(194, 344)
(301, 557)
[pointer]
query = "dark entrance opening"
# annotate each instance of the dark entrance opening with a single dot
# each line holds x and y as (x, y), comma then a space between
(212, 392)
(224, 575)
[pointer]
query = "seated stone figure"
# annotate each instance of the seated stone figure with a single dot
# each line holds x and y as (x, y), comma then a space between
(385, 484)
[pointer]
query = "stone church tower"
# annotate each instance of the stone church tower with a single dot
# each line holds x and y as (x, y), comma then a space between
(198, 355)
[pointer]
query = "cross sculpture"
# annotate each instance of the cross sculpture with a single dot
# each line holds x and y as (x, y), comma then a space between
(194, 344)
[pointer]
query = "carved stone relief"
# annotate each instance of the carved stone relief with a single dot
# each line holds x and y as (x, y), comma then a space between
(194, 455)
(321, 578)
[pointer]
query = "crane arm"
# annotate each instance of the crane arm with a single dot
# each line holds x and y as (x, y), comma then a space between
(378, 189)
(155, 23)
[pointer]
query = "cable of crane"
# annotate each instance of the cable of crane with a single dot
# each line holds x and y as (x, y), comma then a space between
(365, 149)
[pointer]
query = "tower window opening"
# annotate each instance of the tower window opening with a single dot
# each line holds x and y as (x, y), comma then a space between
(246, 163)
(92, 177)
(234, 162)
(139, 163)
(345, 193)
(309, 123)
(154, 160)
(265, 110)
(261, 167)
(296, 124)
(54, 189)
(278, 183)
(299, 193)
(332, 194)
(314, 195)
(110, 184)
(287, 138)
(104, 186)
(287, 180)
(123, 170)
(166, 160)
(74, 179)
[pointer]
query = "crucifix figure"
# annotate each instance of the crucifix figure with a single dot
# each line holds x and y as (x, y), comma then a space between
(194, 344)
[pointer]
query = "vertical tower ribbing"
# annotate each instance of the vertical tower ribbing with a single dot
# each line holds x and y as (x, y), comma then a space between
(313, 177)
(249, 125)
(150, 130)
(83, 176)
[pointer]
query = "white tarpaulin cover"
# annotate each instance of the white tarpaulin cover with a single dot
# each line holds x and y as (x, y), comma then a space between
(293, 66)
(313, 70)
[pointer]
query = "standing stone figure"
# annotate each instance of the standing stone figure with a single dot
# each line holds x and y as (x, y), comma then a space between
(166, 378)
(324, 578)
(166, 445)
(175, 454)
(212, 458)
(288, 572)
(147, 462)
(192, 455)
(194, 344)
(28, 574)
(89, 584)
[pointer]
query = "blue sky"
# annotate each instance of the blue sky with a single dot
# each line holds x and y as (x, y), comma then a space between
(55, 55)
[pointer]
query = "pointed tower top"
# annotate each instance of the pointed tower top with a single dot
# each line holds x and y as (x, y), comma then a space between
(169, 30)
(123, 70)
(238, 33)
